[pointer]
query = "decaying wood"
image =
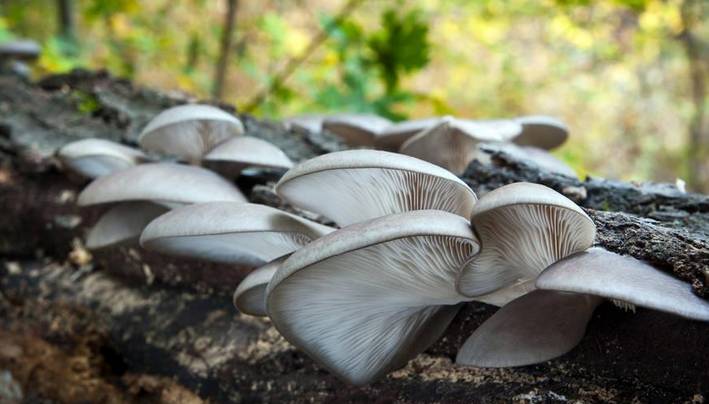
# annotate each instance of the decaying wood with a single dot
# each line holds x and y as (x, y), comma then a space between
(151, 316)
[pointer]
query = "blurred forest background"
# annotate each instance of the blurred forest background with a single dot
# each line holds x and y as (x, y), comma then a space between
(629, 77)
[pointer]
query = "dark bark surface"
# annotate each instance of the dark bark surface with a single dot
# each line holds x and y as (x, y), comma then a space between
(133, 314)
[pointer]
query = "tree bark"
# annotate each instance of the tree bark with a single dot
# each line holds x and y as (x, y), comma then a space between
(149, 314)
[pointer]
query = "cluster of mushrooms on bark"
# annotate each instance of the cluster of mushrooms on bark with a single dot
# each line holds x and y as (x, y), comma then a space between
(411, 240)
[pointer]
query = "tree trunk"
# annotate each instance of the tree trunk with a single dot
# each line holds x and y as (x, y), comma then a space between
(136, 319)
(224, 49)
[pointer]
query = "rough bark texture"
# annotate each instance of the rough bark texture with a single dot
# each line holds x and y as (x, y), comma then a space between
(127, 325)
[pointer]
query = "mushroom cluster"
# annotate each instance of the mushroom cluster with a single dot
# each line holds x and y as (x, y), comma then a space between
(449, 142)
(412, 243)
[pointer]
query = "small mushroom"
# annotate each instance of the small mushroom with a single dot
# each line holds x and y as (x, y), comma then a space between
(541, 131)
(356, 129)
(551, 321)
(235, 154)
(229, 232)
(392, 137)
(453, 143)
(356, 185)
(523, 228)
(164, 183)
(93, 158)
(189, 131)
(250, 295)
(122, 224)
(365, 299)
(22, 49)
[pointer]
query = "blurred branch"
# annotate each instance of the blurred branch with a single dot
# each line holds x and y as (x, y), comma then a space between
(694, 49)
(67, 25)
(224, 49)
(293, 64)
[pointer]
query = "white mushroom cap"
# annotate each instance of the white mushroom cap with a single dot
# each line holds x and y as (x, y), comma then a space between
(355, 185)
(93, 158)
(536, 327)
(523, 228)
(20, 49)
(245, 151)
(365, 299)
(356, 129)
(230, 232)
(541, 131)
(507, 294)
(392, 137)
(453, 143)
(122, 224)
(250, 295)
(189, 131)
(613, 276)
(165, 183)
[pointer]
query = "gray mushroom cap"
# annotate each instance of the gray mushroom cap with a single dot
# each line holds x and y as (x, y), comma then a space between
(523, 228)
(305, 123)
(240, 152)
(23, 49)
(540, 131)
(356, 129)
(250, 295)
(189, 131)
(612, 276)
(230, 232)
(356, 185)
(453, 143)
(165, 183)
(536, 327)
(392, 137)
(365, 299)
(122, 224)
(93, 158)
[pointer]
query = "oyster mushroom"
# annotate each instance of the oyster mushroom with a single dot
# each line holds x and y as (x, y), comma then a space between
(189, 131)
(93, 158)
(541, 131)
(453, 143)
(523, 228)
(22, 49)
(356, 185)
(250, 295)
(551, 321)
(356, 129)
(305, 123)
(365, 299)
(164, 183)
(392, 137)
(237, 153)
(122, 224)
(229, 232)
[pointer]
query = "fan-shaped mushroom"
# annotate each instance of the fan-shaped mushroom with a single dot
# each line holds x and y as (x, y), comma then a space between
(549, 322)
(356, 129)
(453, 143)
(189, 131)
(365, 299)
(250, 295)
(541, 131)
(239, 233)
(392, 137)
(523, 228)
(122, 223)
(355, 185)
(237, 153)
(93, 158)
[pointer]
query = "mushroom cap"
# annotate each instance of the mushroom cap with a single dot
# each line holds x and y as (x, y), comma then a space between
(355, 185)
(93, 158)
(523, 228)
(393, 136)
(247, 151)
(507, 294)
(165, 183)
(122, 224)
(365, 299)
(230, 232)
(356, 129)
(453, 143)
(541, 131)
(189, 131)
(250, 295)
(536, 327)
(603, 273)
(25, 49)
